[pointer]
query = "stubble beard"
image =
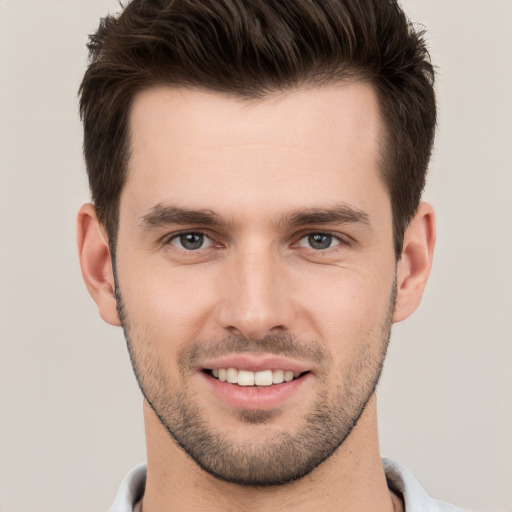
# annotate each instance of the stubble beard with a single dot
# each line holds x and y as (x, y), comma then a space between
(286, 456)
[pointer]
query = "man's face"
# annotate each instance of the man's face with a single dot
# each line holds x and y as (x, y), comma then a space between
(255, 244)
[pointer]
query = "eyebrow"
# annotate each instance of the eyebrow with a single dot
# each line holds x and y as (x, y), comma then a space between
(340, 214)
(161, 216)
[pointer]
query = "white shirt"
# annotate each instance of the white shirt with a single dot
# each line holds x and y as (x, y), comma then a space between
(400, 480)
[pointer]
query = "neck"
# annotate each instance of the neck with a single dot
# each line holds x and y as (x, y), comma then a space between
(351, 479)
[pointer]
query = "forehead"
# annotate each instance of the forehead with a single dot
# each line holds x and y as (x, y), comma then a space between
(288, 117)
(206, 149)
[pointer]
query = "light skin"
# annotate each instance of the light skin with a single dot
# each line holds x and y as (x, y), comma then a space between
(258, 234)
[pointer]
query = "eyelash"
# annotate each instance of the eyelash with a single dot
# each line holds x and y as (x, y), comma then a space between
(332, 238)
(177, 236)
(342, 241)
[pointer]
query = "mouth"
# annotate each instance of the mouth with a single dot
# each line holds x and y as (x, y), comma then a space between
(247, 378)
(258, 382)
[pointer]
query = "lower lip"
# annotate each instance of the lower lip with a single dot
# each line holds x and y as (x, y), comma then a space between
(254, 397)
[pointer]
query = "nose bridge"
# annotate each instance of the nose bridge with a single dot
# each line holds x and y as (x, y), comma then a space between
(255, 302)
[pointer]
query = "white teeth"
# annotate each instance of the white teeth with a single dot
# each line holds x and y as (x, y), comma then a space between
(288, 376)
(248, 378)
(263, 378)
(232, 375)
(277, 376)
(245, 378)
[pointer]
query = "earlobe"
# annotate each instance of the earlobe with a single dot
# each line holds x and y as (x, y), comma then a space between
(416, 261)
(96, 263)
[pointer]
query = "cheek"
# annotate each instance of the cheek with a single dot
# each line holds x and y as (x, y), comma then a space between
(348, 307)
(168, 304)
(177, 305)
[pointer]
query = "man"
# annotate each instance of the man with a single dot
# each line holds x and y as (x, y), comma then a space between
(256, 168)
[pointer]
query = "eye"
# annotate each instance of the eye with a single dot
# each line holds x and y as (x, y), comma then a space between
(319, 241)
(191, 241)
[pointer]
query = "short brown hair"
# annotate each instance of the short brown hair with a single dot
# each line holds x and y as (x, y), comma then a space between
(249, 48)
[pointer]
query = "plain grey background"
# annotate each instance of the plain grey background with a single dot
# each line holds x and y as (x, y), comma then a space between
(70, 411)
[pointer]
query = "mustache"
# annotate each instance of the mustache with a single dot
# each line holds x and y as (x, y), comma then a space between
(284, 344)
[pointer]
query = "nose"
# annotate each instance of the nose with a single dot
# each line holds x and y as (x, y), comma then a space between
(257, 296)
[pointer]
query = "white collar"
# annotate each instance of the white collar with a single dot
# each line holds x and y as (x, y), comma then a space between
(400, 480)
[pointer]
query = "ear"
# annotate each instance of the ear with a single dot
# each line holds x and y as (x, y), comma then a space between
(96, 263)
(415, 262)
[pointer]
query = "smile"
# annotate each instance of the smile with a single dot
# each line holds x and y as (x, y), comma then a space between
(250, 378)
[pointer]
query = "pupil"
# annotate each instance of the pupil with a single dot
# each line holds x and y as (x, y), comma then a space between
(320, 241)
(191, 241)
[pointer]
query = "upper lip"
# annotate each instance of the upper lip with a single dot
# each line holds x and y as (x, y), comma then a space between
(255, 363)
